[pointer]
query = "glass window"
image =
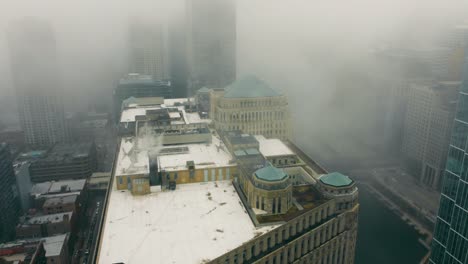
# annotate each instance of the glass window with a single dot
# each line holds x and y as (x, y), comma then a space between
(450, 185)
(446, 208)
(455, 160)
(462, 108)
(459, 134)
(441, 231)
(462, 195)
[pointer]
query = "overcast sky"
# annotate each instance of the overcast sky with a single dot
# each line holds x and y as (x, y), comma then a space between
(296, 45)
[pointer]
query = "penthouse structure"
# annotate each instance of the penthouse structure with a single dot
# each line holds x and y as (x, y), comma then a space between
(65, 161)
(251, 105)
(234, 198)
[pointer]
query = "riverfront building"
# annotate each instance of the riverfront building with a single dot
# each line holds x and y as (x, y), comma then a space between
(220, 196)
(450, 241)
(428, 124)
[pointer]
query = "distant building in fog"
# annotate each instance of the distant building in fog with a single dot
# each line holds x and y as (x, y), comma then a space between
(10, 206)
(252, 106)
(428, 123)
(36, 79)
(139, 86)
(149, 49)
(211, 43)
(450, 241)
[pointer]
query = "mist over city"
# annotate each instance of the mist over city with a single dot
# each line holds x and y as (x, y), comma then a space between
(234, 131)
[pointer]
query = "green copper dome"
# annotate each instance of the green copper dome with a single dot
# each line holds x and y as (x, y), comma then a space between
(249, 87)
(270, 173)
(336, 179)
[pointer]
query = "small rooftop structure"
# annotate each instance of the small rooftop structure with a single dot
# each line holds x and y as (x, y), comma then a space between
(270, 173)
(336, 179)
(249, 87)
(273, 147)
(211, 155)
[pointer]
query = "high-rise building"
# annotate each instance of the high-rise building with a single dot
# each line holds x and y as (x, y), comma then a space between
(427, 127)
(10, 206)
(36, 79)
(139, 86)
(211, 43)
(450, 240)
(252, 106)
(149, 49)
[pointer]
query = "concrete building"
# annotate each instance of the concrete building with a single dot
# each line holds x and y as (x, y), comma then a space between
(450, 239)
(149, 49)
(50, 250)
(211, 43)
(10, 206)
(252, 106)
(139, 86)
(428, 123)
(46, 225)
(36, 78)
(65, 161)
(24, 183)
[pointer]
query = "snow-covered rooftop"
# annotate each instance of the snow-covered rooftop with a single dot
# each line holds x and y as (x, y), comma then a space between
(130, 159)
(53, 245)
(210, 155)
(270, 147)
(129, 114)
(196, 222)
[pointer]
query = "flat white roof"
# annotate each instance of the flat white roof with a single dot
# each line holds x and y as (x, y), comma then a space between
(131, 160)
(204, 155)
(182, 226)
(270, 147)
(53, 245)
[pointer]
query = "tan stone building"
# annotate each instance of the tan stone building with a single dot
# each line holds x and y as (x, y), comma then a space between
(252, 106)
(428, 123)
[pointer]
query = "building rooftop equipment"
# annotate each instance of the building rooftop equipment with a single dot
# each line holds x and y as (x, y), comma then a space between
(249, 87)
(336, 179)
(193, 224)
(214, 154)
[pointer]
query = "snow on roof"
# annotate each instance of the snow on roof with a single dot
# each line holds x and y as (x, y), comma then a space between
(172, 102)
(195, 118)
(272, 147)
(181, 226)
(131, 160)
(56, 187)
(210, 155)
(53, 245)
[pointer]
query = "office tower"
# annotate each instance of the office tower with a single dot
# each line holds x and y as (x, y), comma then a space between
(450, 241)
(139, 86)
(10, 206)
(252, 106)
(36, 79)
(427, 128)
(211, 43)
(149, 49)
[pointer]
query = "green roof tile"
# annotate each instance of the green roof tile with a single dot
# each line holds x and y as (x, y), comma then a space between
(249, 87)
(270, 173)
(336, 179)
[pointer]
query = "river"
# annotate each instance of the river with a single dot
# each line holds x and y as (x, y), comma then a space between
(383, 238)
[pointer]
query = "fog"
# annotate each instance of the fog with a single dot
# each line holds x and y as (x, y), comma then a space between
(317, 52)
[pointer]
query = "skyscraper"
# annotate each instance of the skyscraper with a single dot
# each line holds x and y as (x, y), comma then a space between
(149, 49)
(450, 240)
(36, 78)
(211, 43)
(9, 200)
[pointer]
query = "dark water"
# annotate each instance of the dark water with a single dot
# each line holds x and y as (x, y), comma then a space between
(383, 238)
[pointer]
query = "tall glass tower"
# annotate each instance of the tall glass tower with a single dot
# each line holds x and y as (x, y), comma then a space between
(450, 242)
